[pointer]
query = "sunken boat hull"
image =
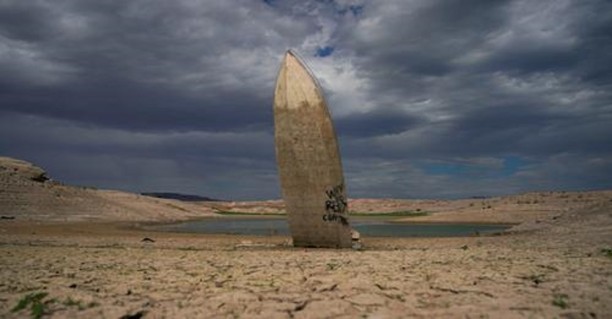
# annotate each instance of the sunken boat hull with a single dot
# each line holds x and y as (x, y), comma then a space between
(308, 158)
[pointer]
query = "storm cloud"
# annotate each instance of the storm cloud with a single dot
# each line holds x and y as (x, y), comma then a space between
(430, 98)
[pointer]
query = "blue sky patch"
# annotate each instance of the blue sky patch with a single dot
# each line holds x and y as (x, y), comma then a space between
(324, 51)
(512, 164)
(355, 10)
(444, 168)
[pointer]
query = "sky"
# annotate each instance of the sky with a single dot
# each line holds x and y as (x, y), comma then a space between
(430, 98)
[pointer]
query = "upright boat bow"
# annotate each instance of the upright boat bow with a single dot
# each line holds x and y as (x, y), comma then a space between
(308, 160)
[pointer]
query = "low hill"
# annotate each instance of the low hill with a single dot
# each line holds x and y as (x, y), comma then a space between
(26, 192)
(518, 208)
(512, 209)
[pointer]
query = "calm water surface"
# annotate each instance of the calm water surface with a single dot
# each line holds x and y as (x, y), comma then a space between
(371, 228)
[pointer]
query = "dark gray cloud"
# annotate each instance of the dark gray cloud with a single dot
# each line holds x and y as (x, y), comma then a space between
(430, 98)
(374, 123)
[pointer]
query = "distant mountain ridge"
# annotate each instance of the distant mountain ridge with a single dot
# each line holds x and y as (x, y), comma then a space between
(181, 197)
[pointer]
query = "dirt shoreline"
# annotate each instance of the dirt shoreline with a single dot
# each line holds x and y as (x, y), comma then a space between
(561, 268)
(77, 252)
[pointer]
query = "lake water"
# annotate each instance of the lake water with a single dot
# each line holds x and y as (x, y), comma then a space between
(367, 228)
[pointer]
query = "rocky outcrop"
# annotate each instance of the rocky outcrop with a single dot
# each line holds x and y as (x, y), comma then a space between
(11, 168)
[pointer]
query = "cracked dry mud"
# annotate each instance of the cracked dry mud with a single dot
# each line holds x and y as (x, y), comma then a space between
(70, 252)
(109, 272)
